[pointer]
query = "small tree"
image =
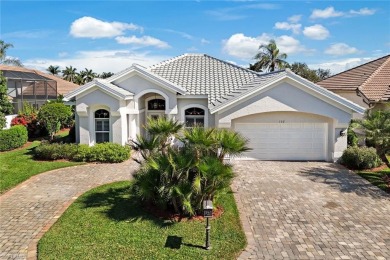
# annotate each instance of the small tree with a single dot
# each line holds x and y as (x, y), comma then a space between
(376, 126)
(5, 105)
(52, 114)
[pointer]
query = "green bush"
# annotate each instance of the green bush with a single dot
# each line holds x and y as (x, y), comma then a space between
(105, 152)
(3, 121)
(13, 138)
(360, 158)
(52, 114)
(55, 151)
(109, 153)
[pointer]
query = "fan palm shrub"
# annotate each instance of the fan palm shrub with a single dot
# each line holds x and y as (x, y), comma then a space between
(179, 178)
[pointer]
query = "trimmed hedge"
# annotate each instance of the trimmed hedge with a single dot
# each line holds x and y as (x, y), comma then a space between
(13, 138)
(360, 158)
(104, 152)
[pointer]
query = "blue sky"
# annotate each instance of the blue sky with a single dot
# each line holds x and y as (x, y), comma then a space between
(111, 35)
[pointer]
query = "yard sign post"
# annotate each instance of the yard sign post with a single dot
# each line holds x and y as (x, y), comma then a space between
(207, 213)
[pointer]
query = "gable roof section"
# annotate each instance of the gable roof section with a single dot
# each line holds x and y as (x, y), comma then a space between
(105, 86)
(63, 86)
(378, 84)
(149, 74)
(265, 80)
(372, 79)
(201, 74)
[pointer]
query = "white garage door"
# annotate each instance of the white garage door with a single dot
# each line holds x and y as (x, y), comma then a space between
(285, 141)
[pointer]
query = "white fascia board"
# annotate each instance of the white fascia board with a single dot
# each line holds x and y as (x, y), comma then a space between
(193, 96)
(149, 76)
(101, 86)
(79, 90)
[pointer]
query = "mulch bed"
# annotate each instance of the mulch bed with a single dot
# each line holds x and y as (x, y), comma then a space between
(161, 214)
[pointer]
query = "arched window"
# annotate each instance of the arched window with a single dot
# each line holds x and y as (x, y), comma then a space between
(156, 104)
(102, 126)
(194, 116)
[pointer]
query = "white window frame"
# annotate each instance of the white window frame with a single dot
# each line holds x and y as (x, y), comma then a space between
(205, 109)
(150, 113)
(102, 119)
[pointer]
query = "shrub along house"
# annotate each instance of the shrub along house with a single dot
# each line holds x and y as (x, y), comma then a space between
(284, 116)
(367, 85)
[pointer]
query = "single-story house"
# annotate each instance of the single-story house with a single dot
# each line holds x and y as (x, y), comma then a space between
(33, 86)
(284, 116)
(367, 85)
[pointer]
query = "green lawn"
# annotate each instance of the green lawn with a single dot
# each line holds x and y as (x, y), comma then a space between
(18, 165)
(108, 223)
(376, 178)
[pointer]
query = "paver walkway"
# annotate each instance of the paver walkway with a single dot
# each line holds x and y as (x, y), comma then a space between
(28, 210)
(310, 210)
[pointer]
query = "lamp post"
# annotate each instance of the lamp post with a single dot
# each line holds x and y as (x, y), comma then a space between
(207, 213)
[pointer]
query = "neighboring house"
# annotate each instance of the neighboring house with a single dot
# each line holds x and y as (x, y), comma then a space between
(33, 86)
(367, 85)
(284, 116)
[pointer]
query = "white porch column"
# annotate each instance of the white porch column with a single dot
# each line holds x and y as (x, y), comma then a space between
(134, 128)
(124, 125)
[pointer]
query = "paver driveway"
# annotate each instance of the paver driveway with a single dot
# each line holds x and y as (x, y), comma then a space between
(310, 210)
(28, 210)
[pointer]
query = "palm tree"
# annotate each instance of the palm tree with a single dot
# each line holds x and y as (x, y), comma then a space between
(376, 126)
(269, 58)
(106, 75)
(3, 55)
(87, 75)
(230, 143)
(53, 70)
(69, 74)
(163, 129)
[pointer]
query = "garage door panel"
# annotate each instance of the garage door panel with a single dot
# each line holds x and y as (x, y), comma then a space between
(285, 141)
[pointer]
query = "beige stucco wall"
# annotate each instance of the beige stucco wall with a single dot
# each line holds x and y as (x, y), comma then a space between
(289, 104)
(352, 96)
(140, 86)
(86, 105)
(283, 97)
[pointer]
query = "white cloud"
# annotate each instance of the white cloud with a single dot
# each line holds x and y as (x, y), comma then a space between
(246, 47)
(326, 13)
(143, 41)
(99, 61)
(295, 18)
(203, 41)
(62, 54)
(192, 49)
(231, 13)
(89, 27)
(30, 34)
(316, 32)
(363, 11)
(337, 66)
(331, 12)
(182, 34)
(295, 28)
(339, 49)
